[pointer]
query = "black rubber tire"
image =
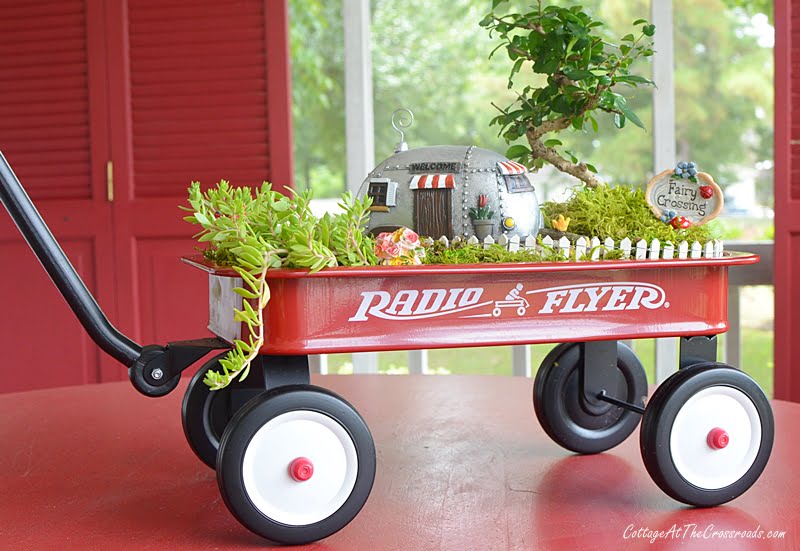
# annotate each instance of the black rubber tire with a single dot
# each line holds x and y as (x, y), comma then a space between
(155, 354)
(205, 413)
(256, 414)
(563, 412)
(662, 409)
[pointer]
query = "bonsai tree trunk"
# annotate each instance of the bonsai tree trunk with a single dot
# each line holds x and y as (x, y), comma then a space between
(540, 151)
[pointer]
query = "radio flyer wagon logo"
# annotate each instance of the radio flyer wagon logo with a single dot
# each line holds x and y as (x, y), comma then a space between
(470, 302)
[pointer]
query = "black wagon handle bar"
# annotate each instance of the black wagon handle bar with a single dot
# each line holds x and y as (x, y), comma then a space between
(61, 271)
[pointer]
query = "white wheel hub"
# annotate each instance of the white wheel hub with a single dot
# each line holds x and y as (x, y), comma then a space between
(275, 446)
(702, 464)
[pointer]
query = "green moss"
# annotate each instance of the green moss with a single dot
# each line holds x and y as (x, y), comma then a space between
(461, 253)
(618, 212)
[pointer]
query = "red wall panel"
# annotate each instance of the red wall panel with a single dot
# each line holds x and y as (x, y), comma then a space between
(48, 348)
(175, 295)
(53, 131)
(44, 97)
(198, 100)
(787, 201)
(210, 49)
(193, 90)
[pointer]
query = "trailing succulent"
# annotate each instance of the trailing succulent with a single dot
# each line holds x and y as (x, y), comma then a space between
(583, 65)
(255, 231)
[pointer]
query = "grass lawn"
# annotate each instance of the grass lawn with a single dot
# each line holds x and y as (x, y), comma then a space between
(756, 359)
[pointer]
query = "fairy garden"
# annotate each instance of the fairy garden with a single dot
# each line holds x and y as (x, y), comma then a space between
(467, 205)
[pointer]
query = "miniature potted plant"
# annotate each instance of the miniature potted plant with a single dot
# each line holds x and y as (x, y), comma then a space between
(482, 218)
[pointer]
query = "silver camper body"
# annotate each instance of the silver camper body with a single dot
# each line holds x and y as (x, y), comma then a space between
(432, 189)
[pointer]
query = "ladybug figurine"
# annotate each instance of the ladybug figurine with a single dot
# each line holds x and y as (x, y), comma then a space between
(706, 192)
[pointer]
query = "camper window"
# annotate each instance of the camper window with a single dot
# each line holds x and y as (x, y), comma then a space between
(383, 192)
(517, 183)
(377, 190)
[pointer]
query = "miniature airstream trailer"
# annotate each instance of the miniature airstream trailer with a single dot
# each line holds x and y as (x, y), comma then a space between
(434, 189)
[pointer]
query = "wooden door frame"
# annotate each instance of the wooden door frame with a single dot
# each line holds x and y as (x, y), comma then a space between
(86, 219)
(787, 226)
(106, 291)
(279, 93)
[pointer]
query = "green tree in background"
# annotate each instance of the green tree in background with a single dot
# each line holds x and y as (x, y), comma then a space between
(431, 57)
(317, 51)
(752, 7)
(723, 91)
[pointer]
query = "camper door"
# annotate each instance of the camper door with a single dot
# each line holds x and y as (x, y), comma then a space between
(433, 204)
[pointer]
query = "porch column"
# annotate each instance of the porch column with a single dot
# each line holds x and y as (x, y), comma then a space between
(359, 125)
(664, 138)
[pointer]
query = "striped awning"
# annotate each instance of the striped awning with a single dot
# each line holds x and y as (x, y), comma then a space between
(510, 167)
(433, 181)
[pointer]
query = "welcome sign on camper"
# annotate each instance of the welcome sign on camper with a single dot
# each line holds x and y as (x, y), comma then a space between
(684, 197)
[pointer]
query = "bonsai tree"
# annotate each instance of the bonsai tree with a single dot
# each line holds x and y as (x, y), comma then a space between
(583, 65)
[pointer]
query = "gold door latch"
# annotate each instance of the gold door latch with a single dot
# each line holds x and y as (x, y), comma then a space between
(110, 181)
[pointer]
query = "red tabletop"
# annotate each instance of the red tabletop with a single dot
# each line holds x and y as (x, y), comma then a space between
(462, 464)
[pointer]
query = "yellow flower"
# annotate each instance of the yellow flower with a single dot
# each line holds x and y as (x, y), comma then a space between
(560, 223)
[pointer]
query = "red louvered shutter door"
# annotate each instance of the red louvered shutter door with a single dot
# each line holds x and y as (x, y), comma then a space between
(201, 90)
(787, 201)
(53, 125)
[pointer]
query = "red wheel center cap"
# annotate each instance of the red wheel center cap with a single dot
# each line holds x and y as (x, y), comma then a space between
(301, 469)
(718, 439)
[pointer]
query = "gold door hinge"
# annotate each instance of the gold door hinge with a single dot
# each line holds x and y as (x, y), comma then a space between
(110, 181)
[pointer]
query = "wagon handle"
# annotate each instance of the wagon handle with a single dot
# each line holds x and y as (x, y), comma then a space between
(154, 370)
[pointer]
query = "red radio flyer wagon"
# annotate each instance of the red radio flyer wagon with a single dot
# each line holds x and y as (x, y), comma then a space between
(295, 462)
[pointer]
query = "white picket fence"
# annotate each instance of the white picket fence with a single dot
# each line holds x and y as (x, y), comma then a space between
(594, 249)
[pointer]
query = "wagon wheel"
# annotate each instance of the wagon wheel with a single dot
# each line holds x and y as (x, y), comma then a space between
(707, 434)
(563, 411)
(205, 413)
(296, 464)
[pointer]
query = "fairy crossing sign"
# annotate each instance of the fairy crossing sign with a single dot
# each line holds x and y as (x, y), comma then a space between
(684, 197)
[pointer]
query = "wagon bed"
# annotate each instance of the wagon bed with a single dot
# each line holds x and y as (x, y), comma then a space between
(376, 308)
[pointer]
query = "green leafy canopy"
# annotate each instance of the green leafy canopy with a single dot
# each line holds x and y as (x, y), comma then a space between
(583, 65)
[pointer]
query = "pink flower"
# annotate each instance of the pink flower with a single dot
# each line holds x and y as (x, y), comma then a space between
(399, 248)
(386, 248)
(483, 200)
(410, 236)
